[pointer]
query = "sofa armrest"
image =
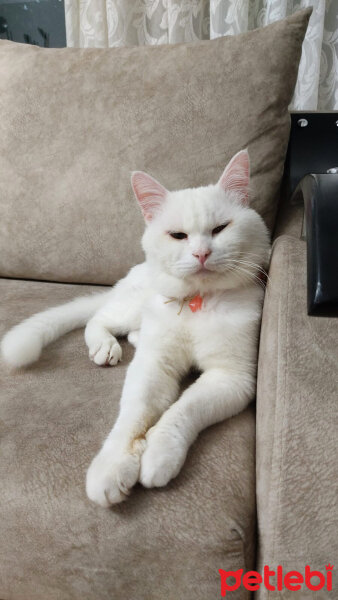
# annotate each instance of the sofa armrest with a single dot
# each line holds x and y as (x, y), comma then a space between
(297, 413)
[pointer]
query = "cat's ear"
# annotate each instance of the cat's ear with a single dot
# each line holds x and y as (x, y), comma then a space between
(150, 194)
(236, 176)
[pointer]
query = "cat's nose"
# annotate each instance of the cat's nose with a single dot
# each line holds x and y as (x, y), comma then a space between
(202, 256)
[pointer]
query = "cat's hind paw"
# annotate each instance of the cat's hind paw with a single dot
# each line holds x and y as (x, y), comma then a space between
(107, 353)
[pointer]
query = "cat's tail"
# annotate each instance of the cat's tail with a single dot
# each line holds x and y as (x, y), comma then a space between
(23, 344)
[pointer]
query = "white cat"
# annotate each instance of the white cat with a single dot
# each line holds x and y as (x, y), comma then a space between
(195, 302)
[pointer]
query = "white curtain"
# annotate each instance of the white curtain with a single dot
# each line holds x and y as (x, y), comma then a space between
(104, 23)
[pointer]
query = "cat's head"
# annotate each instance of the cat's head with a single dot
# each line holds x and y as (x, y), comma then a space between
(202, 239)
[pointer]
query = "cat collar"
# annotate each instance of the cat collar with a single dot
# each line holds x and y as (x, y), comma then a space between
(194, 302)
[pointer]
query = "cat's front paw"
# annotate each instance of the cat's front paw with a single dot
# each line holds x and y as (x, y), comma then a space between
(163, 457)
(106, 353)
(110, 477)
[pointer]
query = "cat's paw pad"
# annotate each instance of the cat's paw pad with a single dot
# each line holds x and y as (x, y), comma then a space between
(162, 459)
(110, 478)
(106, 353)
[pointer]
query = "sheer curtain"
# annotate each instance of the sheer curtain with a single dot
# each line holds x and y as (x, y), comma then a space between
(104, 23)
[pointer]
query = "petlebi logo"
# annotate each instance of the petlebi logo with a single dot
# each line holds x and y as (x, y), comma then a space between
(277, 580)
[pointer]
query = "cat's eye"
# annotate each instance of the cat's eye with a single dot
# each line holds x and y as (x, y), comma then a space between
(220, 228)
(178, 235)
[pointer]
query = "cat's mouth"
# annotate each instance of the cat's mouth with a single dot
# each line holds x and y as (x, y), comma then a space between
(203, 270)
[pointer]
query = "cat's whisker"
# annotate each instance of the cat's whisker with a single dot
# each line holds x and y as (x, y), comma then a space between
(246, 277)
(236, 265)
(256, 267)
(240, 275)
(251, 276)
(249, 263)
(236, 270)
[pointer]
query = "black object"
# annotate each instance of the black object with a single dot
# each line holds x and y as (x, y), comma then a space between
(311, 176)
(320, 196)
(37, 22)
(313, 146)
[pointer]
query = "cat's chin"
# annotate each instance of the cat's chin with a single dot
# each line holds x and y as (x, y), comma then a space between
(203, 271)
(206, 281)
(202, 282)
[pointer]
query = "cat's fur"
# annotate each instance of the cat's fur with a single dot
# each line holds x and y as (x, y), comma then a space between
(156, 426)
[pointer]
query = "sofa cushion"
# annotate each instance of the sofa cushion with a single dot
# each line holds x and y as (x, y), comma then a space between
(160, 544)
(76, 122)
(297, 418)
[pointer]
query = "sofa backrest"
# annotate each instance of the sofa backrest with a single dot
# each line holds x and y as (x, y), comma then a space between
(76, 122)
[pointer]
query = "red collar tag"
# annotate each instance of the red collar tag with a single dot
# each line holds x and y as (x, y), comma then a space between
(196, 303)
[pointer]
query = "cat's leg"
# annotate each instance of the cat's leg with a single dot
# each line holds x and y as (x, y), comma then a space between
(120, 315)
(151, 385)
(103, 347)
(216, 395)
(133, 337)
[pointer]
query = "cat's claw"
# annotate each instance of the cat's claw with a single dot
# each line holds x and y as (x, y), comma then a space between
(106, 353)
(110, 477)
(162, 459)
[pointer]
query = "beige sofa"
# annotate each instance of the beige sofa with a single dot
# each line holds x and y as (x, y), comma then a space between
(170, 543)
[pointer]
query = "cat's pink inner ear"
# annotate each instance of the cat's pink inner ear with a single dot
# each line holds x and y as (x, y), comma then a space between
(149, 193)
(236, 176)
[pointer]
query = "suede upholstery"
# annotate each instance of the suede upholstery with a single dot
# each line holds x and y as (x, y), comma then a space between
(297, 421)
(164, 544)
(76, 122)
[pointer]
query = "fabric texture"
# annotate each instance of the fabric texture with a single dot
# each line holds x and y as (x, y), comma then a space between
(76, 122)
(297, 419)
(105, 23)
(160, 544)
